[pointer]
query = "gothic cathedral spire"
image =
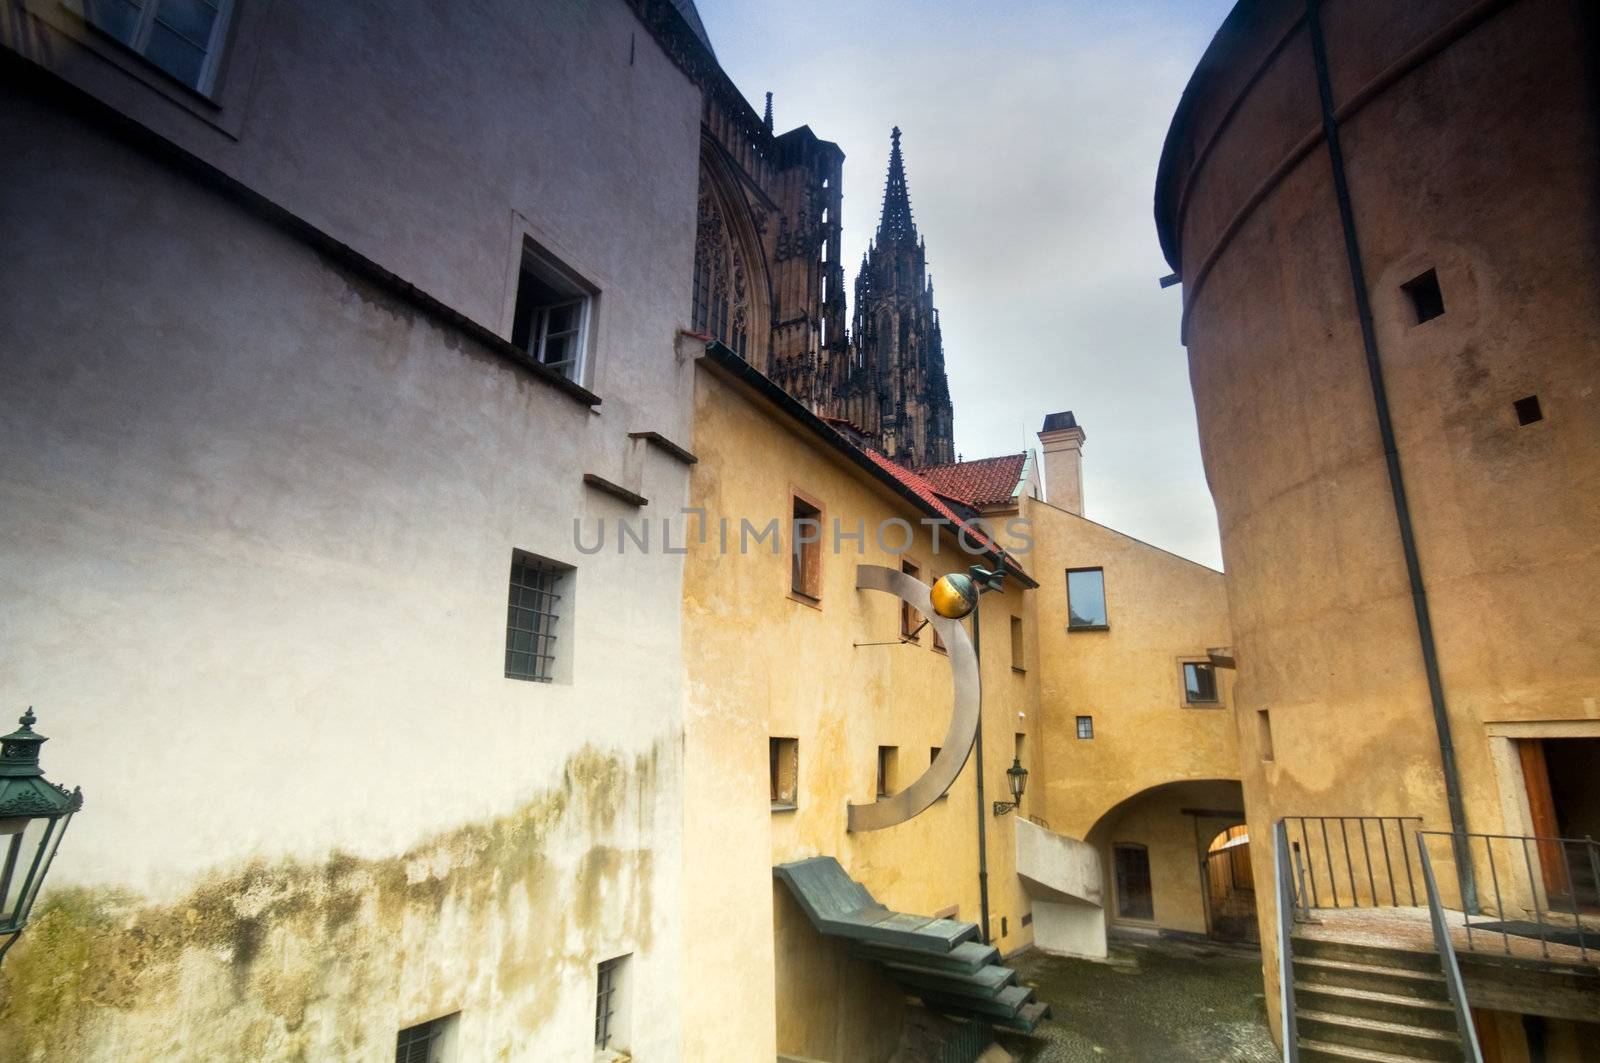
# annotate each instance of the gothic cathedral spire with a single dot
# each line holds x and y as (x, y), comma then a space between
(896, 391)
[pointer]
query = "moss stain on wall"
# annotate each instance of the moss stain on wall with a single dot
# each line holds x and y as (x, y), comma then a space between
(294, 960)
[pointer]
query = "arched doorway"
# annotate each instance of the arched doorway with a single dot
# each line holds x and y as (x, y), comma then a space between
(1230, 889)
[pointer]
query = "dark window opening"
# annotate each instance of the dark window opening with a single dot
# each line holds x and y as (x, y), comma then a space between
(1133, 882)
(1085, 726)
(1199, 683)
(551, 320)
(1427, 301)
(1528, 410)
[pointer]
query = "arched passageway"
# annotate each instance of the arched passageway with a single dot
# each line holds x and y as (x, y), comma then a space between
(1226, 875)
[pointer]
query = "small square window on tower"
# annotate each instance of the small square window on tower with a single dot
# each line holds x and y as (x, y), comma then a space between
(1528, 410)
(1427, 301)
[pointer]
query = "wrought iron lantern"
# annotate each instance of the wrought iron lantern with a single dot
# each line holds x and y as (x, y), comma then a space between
(33, 816)
(1017, 779)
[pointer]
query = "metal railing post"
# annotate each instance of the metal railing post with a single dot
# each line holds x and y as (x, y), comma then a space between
(1447, 960)
(1280, 872)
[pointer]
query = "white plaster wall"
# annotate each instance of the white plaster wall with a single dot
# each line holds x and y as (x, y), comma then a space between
(256, 519)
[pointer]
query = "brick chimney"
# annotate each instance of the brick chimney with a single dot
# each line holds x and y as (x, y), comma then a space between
(1062, 442)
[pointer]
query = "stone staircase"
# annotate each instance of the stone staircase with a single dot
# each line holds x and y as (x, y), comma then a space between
(1372, 1004)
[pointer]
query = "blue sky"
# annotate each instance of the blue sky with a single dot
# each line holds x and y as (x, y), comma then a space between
(1031, 131)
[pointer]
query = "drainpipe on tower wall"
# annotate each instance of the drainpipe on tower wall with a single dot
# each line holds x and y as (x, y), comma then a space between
(983, 810)
(1380, 396)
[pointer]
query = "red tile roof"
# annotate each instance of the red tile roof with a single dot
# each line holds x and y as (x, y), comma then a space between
(931, 495)
(985, 482)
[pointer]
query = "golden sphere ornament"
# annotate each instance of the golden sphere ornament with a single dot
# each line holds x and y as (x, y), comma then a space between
(954, 596)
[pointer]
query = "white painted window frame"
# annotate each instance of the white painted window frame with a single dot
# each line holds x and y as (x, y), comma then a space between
(148, 12)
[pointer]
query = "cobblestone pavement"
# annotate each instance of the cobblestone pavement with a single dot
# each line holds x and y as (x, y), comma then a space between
(1153, 1001)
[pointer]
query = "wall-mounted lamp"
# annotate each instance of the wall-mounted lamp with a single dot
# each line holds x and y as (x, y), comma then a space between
(1017, 779)
(34, 814)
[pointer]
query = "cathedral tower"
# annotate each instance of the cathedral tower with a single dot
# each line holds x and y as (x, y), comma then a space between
(893, 383)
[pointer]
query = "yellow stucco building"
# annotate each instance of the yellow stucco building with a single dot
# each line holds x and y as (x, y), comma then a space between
(807, 694)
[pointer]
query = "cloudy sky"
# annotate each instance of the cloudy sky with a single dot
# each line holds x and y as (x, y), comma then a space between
(1031, 131)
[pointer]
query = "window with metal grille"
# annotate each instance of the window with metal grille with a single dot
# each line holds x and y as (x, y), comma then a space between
(183, 38)
(532, 616)
(608, 975)
(1199, 683)
(551, 320)
(427, 1042)
(1085, 726)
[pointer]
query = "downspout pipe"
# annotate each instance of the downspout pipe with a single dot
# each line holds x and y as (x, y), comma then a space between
(983, 811)
(1391, 457)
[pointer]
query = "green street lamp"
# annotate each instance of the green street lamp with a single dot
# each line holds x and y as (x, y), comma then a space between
(1017, 779)
(33, 816)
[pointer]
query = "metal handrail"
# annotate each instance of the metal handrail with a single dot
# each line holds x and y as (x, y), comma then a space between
(1370, 851)
(1447, 960)
(1286, 907)
(1529, 881)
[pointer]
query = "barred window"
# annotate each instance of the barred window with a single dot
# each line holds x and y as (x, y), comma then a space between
(532, 616)
(611, 1019)
(1085, 726)
(428, 1042)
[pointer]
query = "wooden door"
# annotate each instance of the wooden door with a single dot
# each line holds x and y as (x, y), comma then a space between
(1542, 809)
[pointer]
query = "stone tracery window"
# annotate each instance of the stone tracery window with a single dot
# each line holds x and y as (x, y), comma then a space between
(721, 281)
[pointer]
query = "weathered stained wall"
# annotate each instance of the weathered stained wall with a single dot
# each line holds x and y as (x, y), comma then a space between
(764, 664)
(258, 520)
(1469, 132)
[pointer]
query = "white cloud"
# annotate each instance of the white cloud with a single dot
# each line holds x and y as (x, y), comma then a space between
(1032, 130)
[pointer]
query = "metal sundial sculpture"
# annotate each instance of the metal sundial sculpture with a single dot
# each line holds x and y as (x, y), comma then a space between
(950, 599)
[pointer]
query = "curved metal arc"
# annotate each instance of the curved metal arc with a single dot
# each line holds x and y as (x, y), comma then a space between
(946, 767)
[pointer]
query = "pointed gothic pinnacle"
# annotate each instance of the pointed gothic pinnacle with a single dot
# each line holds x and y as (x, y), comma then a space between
(767, 119)
(895, 223)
